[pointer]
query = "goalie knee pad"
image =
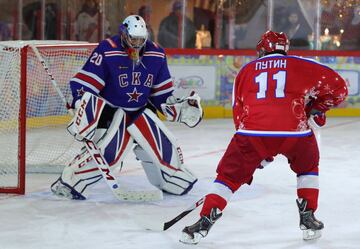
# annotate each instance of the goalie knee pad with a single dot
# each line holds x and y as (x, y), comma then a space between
(160, 155)
(85, 121)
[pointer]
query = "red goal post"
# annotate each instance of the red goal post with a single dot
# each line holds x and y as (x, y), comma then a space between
(32, 115)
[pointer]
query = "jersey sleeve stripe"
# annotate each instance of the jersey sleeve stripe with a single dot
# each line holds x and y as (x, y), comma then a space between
(86, 84)
(162, 83)
(154, 55)
(89, 80)
(158, 93)
(164, 87)
(94, 76)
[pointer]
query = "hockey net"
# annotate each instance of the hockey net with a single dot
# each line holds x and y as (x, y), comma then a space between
(33, 117)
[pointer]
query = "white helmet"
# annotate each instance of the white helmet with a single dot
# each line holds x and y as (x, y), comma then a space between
(134, 31)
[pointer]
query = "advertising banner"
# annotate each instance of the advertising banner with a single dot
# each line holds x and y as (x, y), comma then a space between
(201, 79)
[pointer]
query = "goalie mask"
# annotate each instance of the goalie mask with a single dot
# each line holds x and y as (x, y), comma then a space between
(133, 33)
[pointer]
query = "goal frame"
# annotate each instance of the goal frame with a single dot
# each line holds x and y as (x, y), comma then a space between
(21, 155)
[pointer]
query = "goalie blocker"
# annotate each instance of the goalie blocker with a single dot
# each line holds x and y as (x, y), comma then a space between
(156, 148)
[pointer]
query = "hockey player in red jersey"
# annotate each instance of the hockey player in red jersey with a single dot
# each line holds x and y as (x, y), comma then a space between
(274, 97)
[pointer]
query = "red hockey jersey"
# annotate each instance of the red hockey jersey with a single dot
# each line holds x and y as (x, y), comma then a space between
(270, 94)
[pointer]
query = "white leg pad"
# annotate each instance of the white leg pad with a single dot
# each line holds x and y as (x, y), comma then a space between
(82, 172)
(160, 155)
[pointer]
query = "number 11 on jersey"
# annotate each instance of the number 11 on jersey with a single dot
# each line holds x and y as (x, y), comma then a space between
(262, 80)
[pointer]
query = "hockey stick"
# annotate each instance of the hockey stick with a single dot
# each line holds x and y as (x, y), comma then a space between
(171, 222)
(96, 154)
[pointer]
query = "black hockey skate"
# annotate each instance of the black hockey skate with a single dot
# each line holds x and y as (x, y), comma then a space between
(308, 223)
(192, 234)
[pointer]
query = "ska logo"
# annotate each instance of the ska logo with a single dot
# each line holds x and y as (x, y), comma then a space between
(135, 79)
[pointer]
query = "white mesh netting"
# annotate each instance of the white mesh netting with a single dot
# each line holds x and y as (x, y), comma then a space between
(48, 146)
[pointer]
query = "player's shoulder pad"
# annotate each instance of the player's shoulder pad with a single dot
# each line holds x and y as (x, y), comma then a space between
(111, 43)
(153, 49)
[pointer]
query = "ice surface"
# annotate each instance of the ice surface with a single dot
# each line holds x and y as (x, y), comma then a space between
(263, 215)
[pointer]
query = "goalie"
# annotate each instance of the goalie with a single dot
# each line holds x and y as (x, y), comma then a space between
(124, 78)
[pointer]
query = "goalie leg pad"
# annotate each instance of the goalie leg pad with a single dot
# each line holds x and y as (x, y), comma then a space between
(178, 182)
(160, 155)
(82, 172)
(117, 142)
(77, 177)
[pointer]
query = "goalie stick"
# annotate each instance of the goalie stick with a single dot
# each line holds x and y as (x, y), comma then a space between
(94, 151)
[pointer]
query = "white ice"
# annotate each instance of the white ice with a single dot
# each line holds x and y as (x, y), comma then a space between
(263, 215)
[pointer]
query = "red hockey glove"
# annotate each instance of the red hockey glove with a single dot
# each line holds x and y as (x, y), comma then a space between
(317, 118)
(316, 106)
(315, 111)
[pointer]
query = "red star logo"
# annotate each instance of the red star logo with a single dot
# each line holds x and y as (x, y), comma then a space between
(134, 96)
(80, 92)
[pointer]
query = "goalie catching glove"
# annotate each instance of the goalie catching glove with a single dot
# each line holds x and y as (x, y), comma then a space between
(185, 110)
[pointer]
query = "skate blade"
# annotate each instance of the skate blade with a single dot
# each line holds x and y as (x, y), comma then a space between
(311, 234)
(187, 239)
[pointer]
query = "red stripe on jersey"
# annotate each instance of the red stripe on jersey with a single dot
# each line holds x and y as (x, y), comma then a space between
(164, 87)
(90, 80)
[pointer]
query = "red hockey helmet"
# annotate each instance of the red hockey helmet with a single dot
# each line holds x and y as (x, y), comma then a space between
(272, 41)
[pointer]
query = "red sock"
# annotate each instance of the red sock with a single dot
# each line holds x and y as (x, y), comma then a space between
(212, 201)
(311, 195)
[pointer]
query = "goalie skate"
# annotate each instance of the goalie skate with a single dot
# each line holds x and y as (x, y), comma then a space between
(64, 190)
(192, 234)
(310, 226)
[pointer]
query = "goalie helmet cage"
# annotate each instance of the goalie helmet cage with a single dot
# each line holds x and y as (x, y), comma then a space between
(33, 117)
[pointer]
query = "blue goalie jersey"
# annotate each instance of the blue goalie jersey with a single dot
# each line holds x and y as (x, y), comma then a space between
(112, 75)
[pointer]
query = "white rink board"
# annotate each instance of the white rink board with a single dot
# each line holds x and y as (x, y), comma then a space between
(263, 215)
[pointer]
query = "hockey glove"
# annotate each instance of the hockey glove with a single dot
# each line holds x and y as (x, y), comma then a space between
(185, 110)
(317, 118)
(315, 111)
